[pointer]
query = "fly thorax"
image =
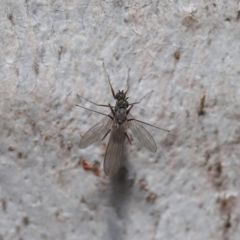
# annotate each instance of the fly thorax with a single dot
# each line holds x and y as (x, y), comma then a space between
(123, 103)
(121, 115)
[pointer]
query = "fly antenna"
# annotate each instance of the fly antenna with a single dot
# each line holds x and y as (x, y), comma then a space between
(128, 87)
(113, 93)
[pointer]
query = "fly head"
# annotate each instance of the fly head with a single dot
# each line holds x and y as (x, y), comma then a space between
(121, 95)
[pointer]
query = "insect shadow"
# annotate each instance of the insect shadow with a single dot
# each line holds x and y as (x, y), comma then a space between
(116, 123)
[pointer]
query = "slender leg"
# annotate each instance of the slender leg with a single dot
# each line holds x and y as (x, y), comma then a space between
(100, 105)
(140, 99)
(128, 138)
(113, 93)
(112, 110)
(95, 111)
(129, 109)
(146, 95)
(106, 134)
(131, 119)
(130, 104)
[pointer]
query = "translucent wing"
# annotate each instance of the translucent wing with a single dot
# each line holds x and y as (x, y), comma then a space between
(141, 134)
(113, 156)
(96, 133)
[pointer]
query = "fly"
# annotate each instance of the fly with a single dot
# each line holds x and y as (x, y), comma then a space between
(116, 124)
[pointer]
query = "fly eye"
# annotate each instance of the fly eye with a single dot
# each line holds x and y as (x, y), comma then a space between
(117, 95)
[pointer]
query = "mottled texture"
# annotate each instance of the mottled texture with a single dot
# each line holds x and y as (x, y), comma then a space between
(50, 51)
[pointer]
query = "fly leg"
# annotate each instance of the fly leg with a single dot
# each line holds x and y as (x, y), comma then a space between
(128, 138)
(112, 110)
(128, 111)
(100, 105)
(94, 111)
(106, 134)
(134, 119)
(130, 104)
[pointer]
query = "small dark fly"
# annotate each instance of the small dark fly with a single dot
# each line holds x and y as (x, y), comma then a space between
(116, 124)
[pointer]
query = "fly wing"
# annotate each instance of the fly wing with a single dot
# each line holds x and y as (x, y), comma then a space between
(96, 133)
(141, 134)
(113, 156)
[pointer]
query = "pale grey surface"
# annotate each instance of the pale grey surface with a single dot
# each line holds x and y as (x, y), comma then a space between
(51, 51)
